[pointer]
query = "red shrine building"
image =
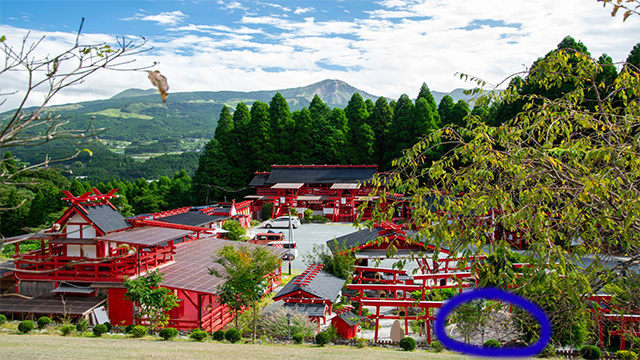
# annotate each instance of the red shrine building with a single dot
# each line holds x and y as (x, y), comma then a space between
(85, 257)
(334, 191)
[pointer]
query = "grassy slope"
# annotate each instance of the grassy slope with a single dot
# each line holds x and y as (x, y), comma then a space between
(16, 346)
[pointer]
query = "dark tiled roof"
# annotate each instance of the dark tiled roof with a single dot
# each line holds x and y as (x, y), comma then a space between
(191, 218)
(146, 236)
(318, 174)
(259, 180)
(353, 240)
(72, 305)
(316, 310)
(323, 286)
(192, 262)
(350, 318)
(105, 217)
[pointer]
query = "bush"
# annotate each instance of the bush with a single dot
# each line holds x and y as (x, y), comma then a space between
(218, 335)
(235, 231)
(43, 322)
(25, 326)
(626, 355)
(67, 329)
(323, 338)
(308, 215)
(408, 343)
(232, 336)
(548, 352)
(82, 326)
(100, 329)
(362, 343)
(275, 324)
(590, 352)
(3, 319)
(109, 326)
(437, 346)
(492, 343)
(128, 328)
(168, 333)
(298, 338)
(198, 335)
(139, 331)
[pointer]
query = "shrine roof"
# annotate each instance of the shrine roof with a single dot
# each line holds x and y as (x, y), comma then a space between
(317, 283)
(353, 240)
(72, 305)
(191, 218)
(145, 236)
(190, 270)
(315, 310)
(104, 216)
(315, 174)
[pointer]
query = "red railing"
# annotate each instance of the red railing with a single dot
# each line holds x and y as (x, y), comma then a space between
(52, 266)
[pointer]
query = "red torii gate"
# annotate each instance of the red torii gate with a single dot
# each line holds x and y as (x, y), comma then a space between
(377, 303)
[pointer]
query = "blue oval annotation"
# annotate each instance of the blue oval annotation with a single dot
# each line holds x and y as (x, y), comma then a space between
(492, 294)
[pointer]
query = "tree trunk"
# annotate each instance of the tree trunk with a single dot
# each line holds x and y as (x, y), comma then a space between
(255, 320)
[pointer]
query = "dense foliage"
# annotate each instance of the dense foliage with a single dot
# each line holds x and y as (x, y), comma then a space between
(152, 300)
(557, 163)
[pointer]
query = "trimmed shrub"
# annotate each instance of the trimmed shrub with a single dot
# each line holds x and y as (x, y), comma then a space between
(168, 333)
(548, 352)
(626, 355)
(25, 326)
(298, 338)
(408, 343)
(198, 335)
(437, 346)
(323, 338)
(492, 343)
(362, 343)
(590, 352)
(218, 335)
(82, 326)
(67, 329)
(100, 329)
(43, 322)
(139, 331)
(3, 319)
(232, 336)
(109, 326)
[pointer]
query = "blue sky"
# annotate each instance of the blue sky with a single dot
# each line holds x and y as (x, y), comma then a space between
(385, 47)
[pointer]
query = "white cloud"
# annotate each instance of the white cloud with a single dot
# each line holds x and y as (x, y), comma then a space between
(165, 18)
(300, 10)
(387, 51)
(232, 5)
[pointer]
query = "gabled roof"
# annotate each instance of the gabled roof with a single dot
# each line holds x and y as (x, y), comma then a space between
(315, 174)
(103, 216)
(191, 218)
(190, 270)
(320, 284)
(350, 318)
(146, 236)
(353, 240)
(259, 179)
(315, 310)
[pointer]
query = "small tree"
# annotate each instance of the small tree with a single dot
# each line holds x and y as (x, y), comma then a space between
(153, 301)
(235, 231)
(341, 266)
(244, 270)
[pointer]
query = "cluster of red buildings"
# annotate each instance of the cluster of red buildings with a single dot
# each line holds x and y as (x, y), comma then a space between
(85, 257)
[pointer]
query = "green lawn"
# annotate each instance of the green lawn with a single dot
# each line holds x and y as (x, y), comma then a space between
(18, 346)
